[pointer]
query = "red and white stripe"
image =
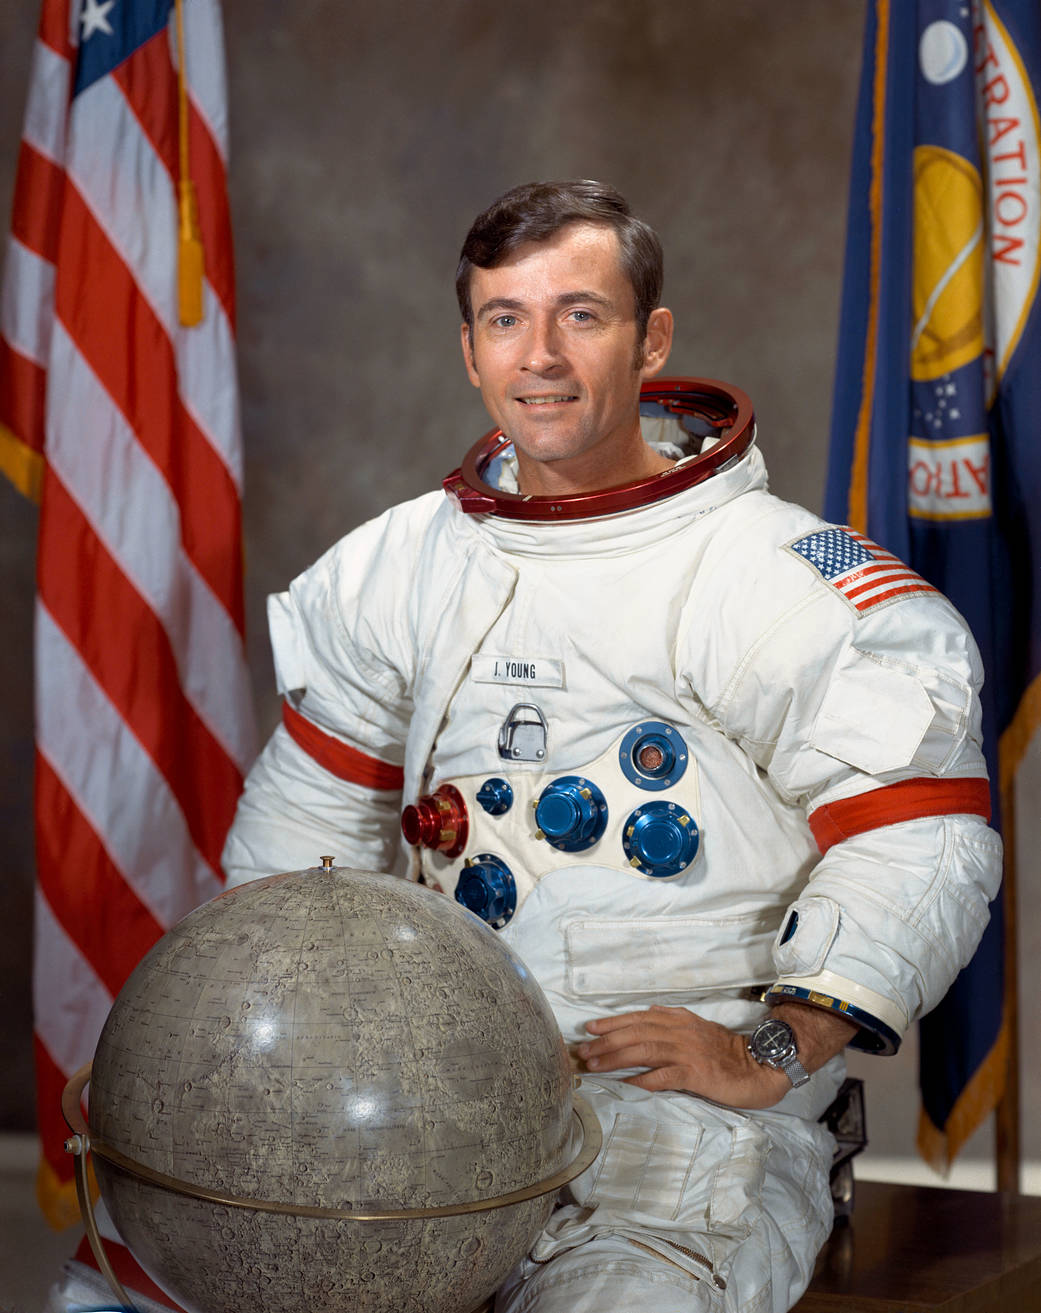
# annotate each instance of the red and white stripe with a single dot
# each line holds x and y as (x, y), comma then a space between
(144, 719)
(886, 578)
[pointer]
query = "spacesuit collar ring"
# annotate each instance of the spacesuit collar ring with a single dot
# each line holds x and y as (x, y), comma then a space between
(724, 408)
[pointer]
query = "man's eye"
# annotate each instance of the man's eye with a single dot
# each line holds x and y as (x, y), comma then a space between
(581, 316)
(504, 321)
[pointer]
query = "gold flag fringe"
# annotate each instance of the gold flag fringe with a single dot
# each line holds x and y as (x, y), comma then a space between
(940, 1146)
(22, 466)
(858, 489)
(57, 1199)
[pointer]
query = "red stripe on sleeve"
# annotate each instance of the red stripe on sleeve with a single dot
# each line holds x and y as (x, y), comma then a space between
(141, 378)
(907, 801)
(119, 638)
(90, 898)
(339, 758)
(23, 392)
(36, 212)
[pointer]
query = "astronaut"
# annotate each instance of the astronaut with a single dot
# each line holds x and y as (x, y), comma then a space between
(711, 766)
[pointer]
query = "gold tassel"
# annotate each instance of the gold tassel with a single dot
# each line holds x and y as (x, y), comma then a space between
(190, 266)
(189, 258)
(56, 1198)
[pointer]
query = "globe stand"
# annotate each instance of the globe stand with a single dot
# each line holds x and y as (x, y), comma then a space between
(80, 1144)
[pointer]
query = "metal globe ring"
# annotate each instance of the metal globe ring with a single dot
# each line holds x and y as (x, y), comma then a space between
(592, 1141)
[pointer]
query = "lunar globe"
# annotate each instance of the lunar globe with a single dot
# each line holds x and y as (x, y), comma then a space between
(329, 1090)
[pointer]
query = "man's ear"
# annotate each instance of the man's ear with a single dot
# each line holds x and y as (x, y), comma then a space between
(658, 342)
(468, 354)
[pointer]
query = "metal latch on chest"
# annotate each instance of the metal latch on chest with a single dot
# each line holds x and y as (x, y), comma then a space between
(522, 736)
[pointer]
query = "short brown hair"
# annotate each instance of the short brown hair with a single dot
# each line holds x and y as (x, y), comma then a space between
(536, 211)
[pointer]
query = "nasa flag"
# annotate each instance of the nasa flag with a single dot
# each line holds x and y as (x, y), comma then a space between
(934, 450)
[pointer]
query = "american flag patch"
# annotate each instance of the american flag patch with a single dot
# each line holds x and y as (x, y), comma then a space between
(865, 574)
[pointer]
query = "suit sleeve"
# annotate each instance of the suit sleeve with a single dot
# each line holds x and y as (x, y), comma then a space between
(868, 720)
(329, 780)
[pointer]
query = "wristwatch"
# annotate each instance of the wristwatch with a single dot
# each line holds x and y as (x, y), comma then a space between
(772, 1044)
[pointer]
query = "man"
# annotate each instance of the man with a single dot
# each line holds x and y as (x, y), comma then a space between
(692, 780)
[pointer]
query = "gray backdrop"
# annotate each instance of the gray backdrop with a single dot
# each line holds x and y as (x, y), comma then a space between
(364, 139)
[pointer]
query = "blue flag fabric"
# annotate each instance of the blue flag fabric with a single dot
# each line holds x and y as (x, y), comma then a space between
(123, 28)
(937, 409)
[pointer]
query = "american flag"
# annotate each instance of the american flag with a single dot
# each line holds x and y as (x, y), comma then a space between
(865, 574)
(125, 424)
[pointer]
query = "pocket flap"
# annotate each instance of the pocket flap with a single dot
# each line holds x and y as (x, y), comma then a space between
(873, 717)
(670, 954)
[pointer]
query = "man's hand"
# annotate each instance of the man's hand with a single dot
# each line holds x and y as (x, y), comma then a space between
(686, 1052)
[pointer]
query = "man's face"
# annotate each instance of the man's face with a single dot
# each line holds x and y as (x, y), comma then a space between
(557, 356)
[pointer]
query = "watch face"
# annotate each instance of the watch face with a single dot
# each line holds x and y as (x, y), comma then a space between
(773, 1040)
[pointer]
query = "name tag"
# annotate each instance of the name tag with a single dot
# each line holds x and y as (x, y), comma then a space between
(533, 672)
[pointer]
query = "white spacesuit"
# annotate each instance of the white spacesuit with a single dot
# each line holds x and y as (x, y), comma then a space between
(626, 741)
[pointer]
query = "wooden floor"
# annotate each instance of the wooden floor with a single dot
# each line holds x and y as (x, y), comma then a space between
(916, 1249)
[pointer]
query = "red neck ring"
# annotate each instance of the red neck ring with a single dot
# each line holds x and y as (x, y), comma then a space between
(725, 408)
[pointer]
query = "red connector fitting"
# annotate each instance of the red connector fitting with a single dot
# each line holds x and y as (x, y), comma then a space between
(438, 820)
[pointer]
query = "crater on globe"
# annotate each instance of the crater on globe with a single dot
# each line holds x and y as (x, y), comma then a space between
(332, 1089)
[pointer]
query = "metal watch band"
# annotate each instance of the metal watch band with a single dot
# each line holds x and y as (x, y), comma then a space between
(794, 1070)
